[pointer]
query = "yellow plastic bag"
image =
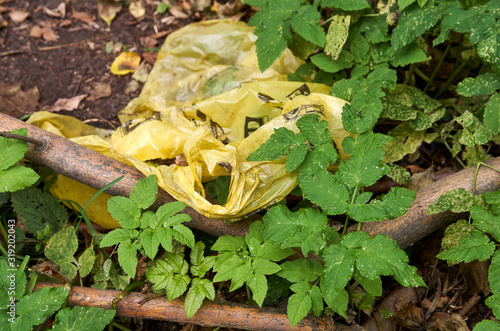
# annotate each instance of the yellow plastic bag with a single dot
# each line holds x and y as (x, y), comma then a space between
(181, 111)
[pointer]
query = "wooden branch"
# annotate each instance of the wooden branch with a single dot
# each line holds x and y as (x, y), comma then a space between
(211, 314)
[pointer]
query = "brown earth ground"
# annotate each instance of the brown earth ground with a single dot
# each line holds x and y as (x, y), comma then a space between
(52, 58)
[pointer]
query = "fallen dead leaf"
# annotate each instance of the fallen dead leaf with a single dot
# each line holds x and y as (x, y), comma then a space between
(177, 12)
(132, 86)
(99, 90)
(83, 16)
(45, 31)
(65, 22)
(227, 8)
(148, 42)
(108, 9)
(201, 5)
(125, 63)
(59, 11)
(67, 104)
(136, 9)
(18, 16)
(142, 72)
(150, 57)
(16, 102)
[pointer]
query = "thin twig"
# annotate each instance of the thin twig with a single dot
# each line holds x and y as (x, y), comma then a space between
(15, 51)
(78, 43)
(19, 137)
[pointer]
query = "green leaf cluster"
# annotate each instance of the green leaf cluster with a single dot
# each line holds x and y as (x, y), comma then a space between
(172, 275)
(145, 230)
(14, 177)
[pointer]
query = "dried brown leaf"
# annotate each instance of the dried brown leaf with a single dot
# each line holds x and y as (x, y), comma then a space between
(18, 16)
(84, 17)
(99, 90)
(44, 32)
(177, 12)
(150, 57)
(16, 102)
(132, 86)
(59, 11)
(108, 9)
(136, 9)
(67, 104)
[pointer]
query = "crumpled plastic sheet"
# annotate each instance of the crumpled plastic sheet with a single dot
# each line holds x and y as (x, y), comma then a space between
(207, 102)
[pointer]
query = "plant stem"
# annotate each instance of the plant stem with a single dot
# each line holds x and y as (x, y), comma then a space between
(437, 68)
(23, 138)
(422, 75)
(119, 326)
(456, 158)
(448, 82)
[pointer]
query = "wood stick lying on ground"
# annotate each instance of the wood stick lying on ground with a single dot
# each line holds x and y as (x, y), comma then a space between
(96, 170)
(211, 314)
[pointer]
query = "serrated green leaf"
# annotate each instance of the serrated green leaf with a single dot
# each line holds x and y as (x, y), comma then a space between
(86, 262)
(265, 267)
(149, 243)
(364, 167)
(295, 157)
(34, 308)
(299, 305)
(424, 121)
(12, 149)
(414, 21)
(408, 54)
(169, 210)
(258, 285)
(493, 302)
(125, 211)
(494, 273)
(116, 236)
(229, 244)
(302, 49)
(346, 5)
(16, 178)
(399, 174)
(457, 200)
(144, 192)
(160, 274)
(273, 252)
(492, 115)
(339, 266)
(62, 246)
(177, 286)
(405, 141)
(277, 145)
(486, 221)
(320, 157)
(455, 233)
(228, 268)
(325, 190)
(375, 29)
(347, 88)
(240, 276)
(148, 220)
(325, 63)
(306, 22)
(271, 42)
(373, 286)
(6, 280)
(337, 34)
(316, 300)
(303, 228)
(165, 237)
(381, 76)
(301, 270)
(127, 257)
(474, 132)
(314, 129)
(199, 290)
(493, 199)
(358, 46)
(487, 325)
(183, 234)
(362, 113)
(486, 83)
(379, 256)
(336, 301)
(83, 319)
(402, 4)
(472, 155)
(476, 247)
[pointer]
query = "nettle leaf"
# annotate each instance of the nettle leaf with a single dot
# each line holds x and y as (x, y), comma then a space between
(86, 262)
(362, 113)
(411, 53)
(483, 84)
(381, 256)
(277, 145)
(458, 19)
(303, 228)
(339, 266)
(347, 88)
(164, 236)
(61, 248)
(364, 167)
(299, 305)
(405, 141)
(125, 211)
(455, 233)
(272, 252)
(399, 174)
(337, 34)
(296, 157)
(402, 4)
(372, 286)
(182, 234)
(6, 279)
(414, 21)
(493, 302)
(144, 192)
(258, 285)
(493, 199)
(474, 132)
(302, 49)
(319, 158)
(326, 63)
(337, 301)
(487, 325)
(16, 178)
(148, 220)
(272, 39)
(346, 5)
(149, 242)
(177, 286)
(314, 129)
(476, 247)
(301, 270)
(127, 257)
(13, 150)
(317, 300)
(492, 115)
(240, 276)
(227, 268)
(165, 212)
(486, 221)
(393, 204)
(229, 244)
(306, 22)
(83, 318)
(199, 290)
(358, 45)
(494, 273)
(160, 274)
(34, 308)
(375, 29)
(424, 121)
(458, 201)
